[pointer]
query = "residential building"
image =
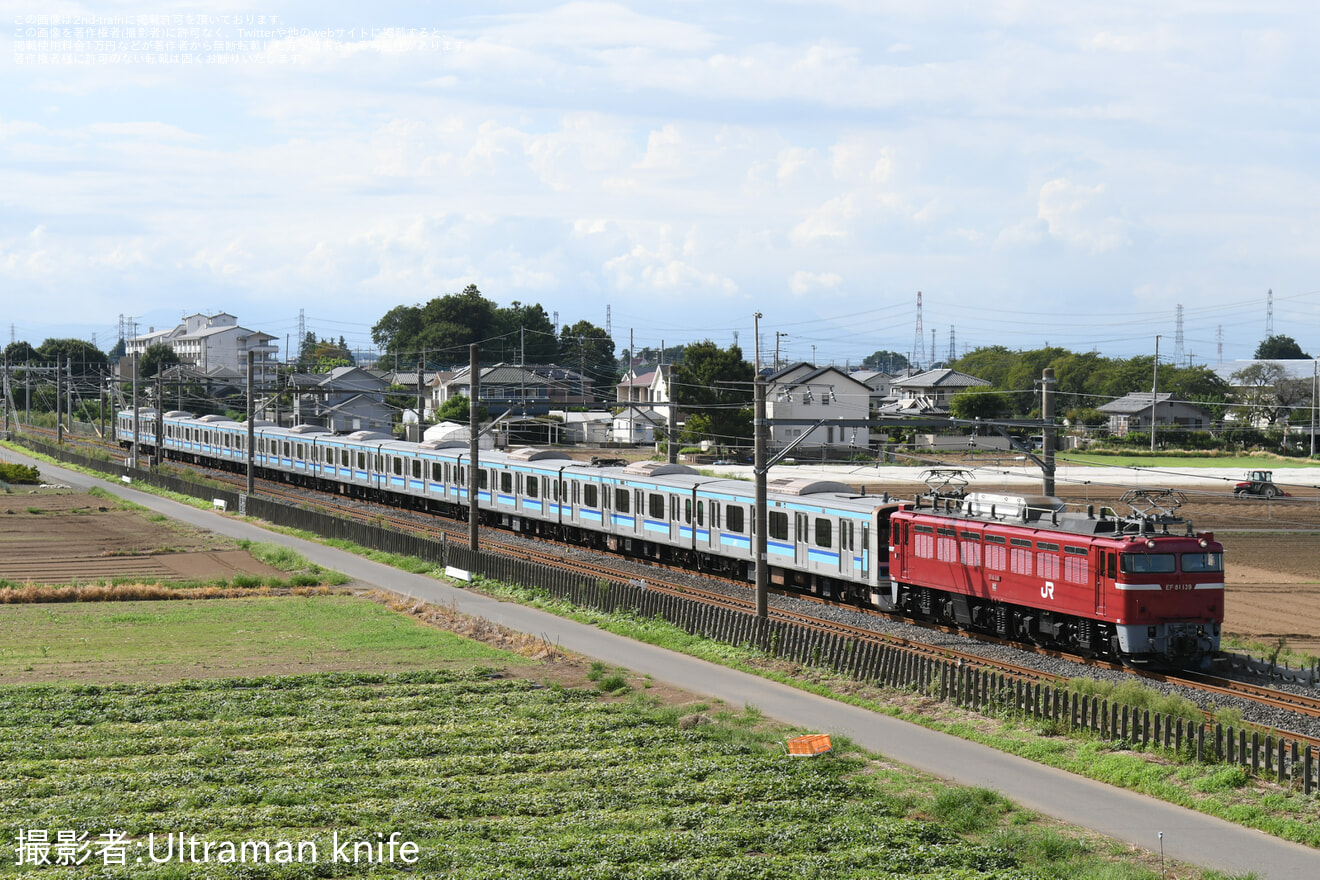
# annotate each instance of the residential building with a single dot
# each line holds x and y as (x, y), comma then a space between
(638, 424)
(650, 386)
(1133, 413)
(211, 341)
(929, 392)
(803, 391)
(343, 400)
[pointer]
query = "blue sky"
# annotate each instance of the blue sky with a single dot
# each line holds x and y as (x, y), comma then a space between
(1043, 172)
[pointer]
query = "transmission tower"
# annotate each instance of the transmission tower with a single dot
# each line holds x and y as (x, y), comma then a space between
(609, 331)
(953, 345)
(1178, 338)
(1269, 313)
(302, 329)
(1219, 346)
(919, 341)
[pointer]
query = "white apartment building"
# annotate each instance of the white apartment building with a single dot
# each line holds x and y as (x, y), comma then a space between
(209, 342)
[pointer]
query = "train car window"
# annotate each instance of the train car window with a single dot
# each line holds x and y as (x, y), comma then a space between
(1019, 542)
(777, 525)
(531, 487)
(1047, 545)
(657, 505)
(1076, 551)
(687, 510)
(1203, 562)
(447, 472)
(673, 508)
(970, 536)
(948, 533)
(700, 517)
(506, 482)
(824, 532)
(483, 478)
(639, 501)
(589, 495)
(1111, 565)
(397, 465)
(417, 469)
(733, 517)
(715, 515)
(343, 457)
(995, 539)
(1019, 560)
(437, 472)
(1147, 563)
(329, 455)
(1047, 564)
(556, 486)
(621, 500)
(302, 452)
(575, 492)
(923, 530)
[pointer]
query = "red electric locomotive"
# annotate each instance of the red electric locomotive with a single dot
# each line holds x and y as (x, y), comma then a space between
(1025, 568)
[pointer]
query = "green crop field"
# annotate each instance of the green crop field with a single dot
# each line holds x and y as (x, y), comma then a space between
(446, 771)
(167, 641)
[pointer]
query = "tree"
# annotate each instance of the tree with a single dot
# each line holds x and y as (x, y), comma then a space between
(1255, 394)
(589, 349)
(526, 331)
(890, 362)
(157, 357)
(455, 409)
(1280, 348)
(716, 383)
(979, 403)
(87, 359)
(21, 352)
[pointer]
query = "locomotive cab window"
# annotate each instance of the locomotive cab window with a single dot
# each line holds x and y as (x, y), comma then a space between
(1147, 563)
(1203, 562)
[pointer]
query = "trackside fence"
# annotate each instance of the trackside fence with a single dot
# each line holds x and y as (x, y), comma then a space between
(1059, 709)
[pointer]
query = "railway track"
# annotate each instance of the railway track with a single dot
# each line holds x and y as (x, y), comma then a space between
(438, 527)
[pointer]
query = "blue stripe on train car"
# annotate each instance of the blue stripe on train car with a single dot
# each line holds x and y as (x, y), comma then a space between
(397, 481)
(740, 541)
(416, 484)
(826, 556)
(620, 520)
(589, 514)
(483, 495)
(507, 499)
(359, 475)
(779, 548)
(436, 487)
(650, 525)
(532, 504)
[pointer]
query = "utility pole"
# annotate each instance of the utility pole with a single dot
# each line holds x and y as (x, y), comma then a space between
(59, 396)
(159, 457)
(251, 429)
(759, 469)
(420, 400)
(68, 390)
(1047, 415)
(100, 390)
(1154, 390)
(474, 432)
(632, 383)
(134, 445)
(1315, 391)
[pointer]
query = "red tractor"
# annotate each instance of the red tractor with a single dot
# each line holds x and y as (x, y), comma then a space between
(1259, 483)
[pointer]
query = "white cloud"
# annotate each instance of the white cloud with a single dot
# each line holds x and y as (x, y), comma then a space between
(1081, 216)
(803, 283)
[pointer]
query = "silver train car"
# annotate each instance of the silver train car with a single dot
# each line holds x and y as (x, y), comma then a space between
(822, 537)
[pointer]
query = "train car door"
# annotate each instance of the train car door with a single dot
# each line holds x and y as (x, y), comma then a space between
(1101, 559)
(801, 539)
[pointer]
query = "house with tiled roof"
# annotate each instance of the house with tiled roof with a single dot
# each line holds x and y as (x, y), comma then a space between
(929, 392)
(804, 391)
(1133, 413)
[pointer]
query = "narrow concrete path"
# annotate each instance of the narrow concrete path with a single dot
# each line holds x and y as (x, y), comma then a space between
(1132, 818)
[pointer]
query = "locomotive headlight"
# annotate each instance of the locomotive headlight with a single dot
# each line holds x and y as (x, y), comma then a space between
(1204, 543)
(1150, 543)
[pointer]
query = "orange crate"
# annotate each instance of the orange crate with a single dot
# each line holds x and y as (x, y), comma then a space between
(810, 746)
